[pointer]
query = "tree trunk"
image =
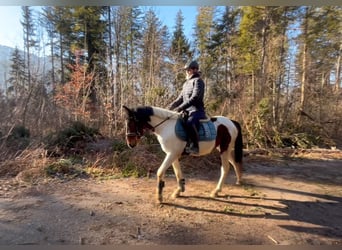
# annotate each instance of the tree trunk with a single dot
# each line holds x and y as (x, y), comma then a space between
(338, 70)
(304, 68)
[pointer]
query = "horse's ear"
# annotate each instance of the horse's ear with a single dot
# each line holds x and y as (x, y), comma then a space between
(127, 109)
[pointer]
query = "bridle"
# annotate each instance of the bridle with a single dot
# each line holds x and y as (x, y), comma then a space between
(138, 133)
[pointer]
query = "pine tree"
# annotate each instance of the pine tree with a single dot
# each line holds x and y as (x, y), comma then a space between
(89, 31)
(180, 46)
(63, 21)
(48, 21)
(154, 52)
(29, 38)
(17, 76)
(125, 26)
(317, 62)
(224, 51)
(180, 51)
(203, 33)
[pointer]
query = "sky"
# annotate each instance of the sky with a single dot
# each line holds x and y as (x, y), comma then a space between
(10, 28)
(11, 31)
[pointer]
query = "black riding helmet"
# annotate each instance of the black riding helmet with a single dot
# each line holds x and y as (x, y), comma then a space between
(191, 65)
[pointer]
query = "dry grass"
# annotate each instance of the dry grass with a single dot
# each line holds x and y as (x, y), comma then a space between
(30, 158)
(33, 164)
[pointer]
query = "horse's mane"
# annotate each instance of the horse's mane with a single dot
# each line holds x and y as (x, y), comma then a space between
(164, 113)
(143, 113)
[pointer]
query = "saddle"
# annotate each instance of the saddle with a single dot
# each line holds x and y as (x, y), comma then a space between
(206, 130)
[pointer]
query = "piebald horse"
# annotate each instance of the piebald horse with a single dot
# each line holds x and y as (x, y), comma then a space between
(162, 123)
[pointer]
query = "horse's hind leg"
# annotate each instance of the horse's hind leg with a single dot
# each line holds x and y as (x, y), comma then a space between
(224, 172)
(237, 168)
(179, 177)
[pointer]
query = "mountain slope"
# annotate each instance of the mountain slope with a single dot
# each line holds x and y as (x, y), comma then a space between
(5, 63)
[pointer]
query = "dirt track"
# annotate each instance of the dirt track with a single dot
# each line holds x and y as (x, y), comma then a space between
(282, 201)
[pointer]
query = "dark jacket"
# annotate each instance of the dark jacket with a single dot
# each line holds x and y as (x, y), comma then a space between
(191, 97)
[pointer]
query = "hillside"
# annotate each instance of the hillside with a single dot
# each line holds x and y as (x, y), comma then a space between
(5, 62)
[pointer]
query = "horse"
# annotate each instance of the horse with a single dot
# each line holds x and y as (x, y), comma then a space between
(162, 122)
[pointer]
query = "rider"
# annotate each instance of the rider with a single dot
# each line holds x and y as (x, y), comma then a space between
(191, 102)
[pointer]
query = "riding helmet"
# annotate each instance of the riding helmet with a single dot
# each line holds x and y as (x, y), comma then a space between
(191, 65)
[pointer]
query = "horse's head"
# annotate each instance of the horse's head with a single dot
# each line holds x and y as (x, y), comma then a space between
(133, 129)
(136, 122)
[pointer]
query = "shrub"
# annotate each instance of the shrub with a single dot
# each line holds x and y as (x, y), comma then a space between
(19, 138)
(72, 136)
(63, 168)
(20, 131)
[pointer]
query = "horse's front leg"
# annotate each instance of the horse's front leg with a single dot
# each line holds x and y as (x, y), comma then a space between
(180, 179)
(224, 172)
(169, 159)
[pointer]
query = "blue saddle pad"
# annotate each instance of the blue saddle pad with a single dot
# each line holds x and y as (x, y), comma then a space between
(207, 131)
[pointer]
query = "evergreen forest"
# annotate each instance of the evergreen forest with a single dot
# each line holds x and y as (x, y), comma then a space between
(275, 69)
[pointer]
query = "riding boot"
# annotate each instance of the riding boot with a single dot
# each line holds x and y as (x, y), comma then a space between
(194, 138)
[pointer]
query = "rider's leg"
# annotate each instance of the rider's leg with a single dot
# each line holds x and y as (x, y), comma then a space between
(192, 131)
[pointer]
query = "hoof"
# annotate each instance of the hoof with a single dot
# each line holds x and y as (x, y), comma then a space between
(175, 194)
(214, 194)
(238, 183)
(159, 199)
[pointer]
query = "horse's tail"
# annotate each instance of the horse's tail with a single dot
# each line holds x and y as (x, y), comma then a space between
(238, 151)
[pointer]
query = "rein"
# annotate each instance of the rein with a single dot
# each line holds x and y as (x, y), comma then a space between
(160, 123)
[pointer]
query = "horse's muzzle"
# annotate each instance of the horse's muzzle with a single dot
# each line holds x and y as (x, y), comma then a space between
(131, 145)
(131, 141)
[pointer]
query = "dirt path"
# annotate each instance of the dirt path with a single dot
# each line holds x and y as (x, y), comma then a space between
(281, 202)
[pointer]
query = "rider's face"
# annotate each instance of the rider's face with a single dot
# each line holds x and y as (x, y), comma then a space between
(189, 73)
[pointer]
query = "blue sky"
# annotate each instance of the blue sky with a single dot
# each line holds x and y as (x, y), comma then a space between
(11, 30)
(167, 14)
